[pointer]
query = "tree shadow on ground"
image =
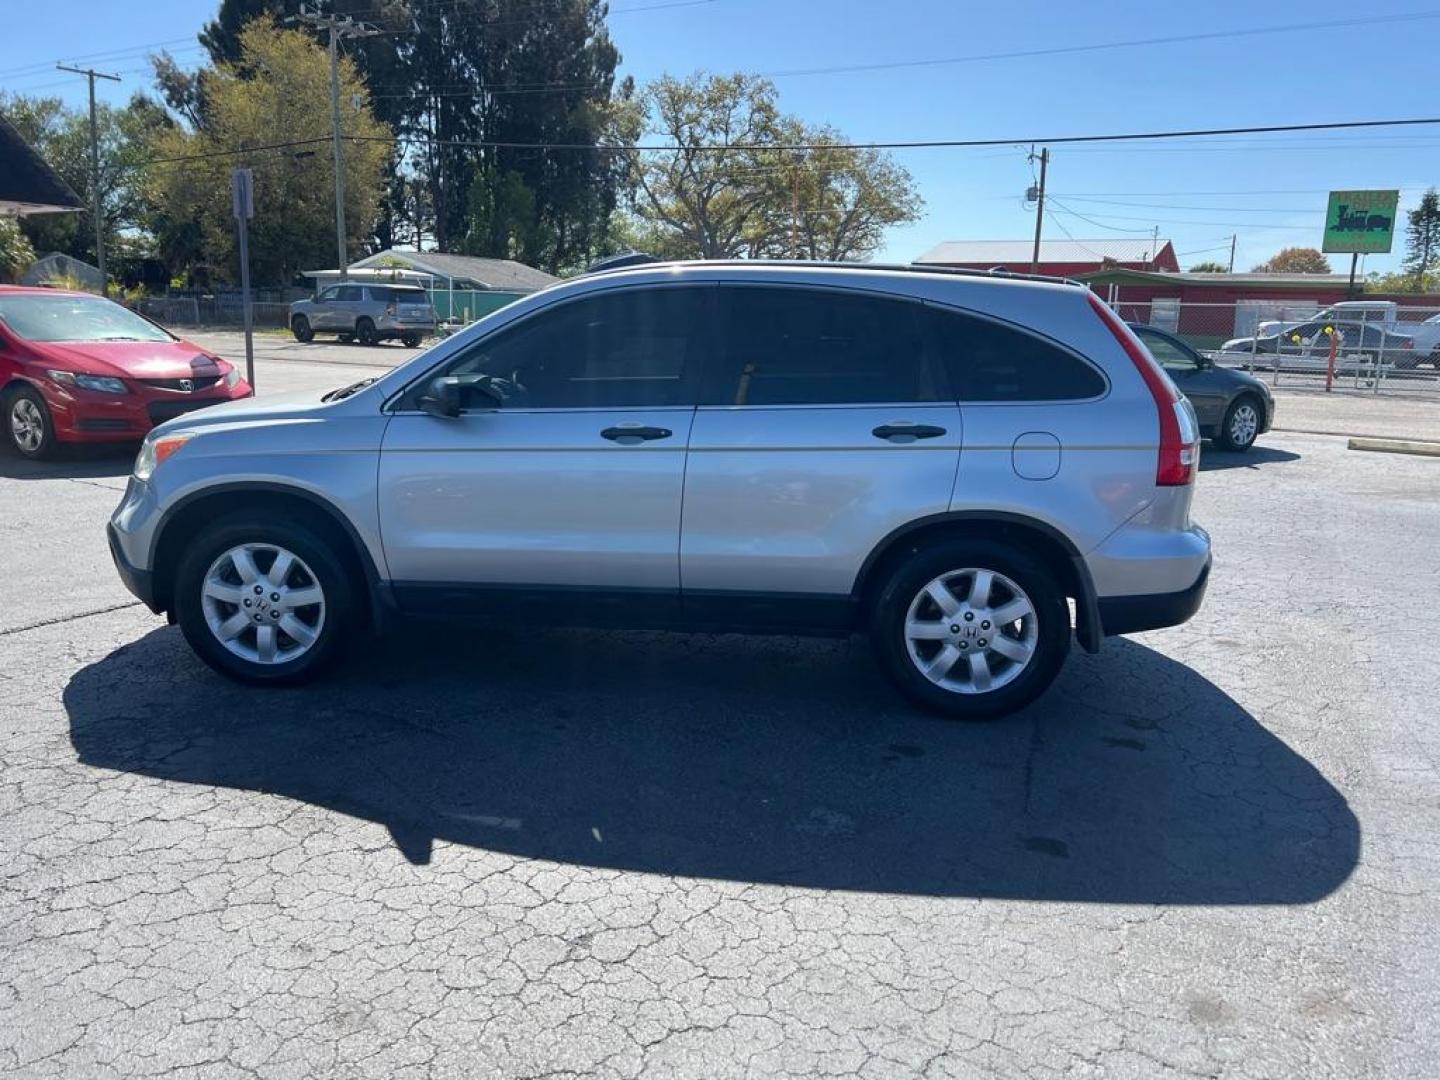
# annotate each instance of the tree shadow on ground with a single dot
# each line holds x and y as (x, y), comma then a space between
(769, 760)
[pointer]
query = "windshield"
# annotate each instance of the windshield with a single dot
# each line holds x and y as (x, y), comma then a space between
(66, 317)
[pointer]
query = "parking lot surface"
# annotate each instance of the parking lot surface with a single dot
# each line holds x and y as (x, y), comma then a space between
(1208, 851)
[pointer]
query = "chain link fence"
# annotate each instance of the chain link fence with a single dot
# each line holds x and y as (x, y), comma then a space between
(1379, 347)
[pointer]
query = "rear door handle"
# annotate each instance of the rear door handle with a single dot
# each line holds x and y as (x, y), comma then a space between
(904, 433)
(634, 435)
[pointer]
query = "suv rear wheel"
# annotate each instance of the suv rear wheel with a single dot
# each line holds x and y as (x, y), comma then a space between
(365, 331)
(263, 600)
(972, 629)
(300, 327)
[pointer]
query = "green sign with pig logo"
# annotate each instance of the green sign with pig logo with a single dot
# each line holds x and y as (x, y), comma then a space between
(1360, 221)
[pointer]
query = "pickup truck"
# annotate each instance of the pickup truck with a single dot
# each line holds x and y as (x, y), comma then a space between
(1381, 314)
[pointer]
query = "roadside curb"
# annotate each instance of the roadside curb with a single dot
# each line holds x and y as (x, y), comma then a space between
(1397, 446)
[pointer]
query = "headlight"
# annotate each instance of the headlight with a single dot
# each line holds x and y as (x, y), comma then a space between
(153, 451)
(103, 384)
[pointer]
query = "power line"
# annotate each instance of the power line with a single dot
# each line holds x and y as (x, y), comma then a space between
(925, 144)
(1062, 50)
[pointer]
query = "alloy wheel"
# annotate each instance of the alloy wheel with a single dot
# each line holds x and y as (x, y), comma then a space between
(1244, 423)
(27, 425)
(971, 631)
(263, 603)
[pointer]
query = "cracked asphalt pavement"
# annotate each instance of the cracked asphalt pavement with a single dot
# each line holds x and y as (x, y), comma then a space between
(1207, 852)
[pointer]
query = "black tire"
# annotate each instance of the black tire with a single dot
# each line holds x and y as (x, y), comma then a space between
(36, 412)
(411, 341)
(1226, 436)
(922, 566)
(365, 332)
(300, 327)
(317, 553)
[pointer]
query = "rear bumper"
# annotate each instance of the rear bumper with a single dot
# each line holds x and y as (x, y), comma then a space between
(1151, 611)
(140, 582)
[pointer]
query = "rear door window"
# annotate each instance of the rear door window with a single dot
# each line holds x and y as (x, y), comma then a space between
(988, 360)
(800, 346)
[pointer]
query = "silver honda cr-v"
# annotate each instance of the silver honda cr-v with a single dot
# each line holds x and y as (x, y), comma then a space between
(939, 459)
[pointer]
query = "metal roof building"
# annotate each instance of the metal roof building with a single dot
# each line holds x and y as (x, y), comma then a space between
(1060, 258)
(27, 184)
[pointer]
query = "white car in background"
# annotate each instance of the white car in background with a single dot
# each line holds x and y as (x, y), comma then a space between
(1383, 314)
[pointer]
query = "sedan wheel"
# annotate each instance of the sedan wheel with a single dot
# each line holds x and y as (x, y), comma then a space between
(28, 424)
(1242, 424)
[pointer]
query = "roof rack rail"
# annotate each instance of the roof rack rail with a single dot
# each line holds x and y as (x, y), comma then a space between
(822, 264)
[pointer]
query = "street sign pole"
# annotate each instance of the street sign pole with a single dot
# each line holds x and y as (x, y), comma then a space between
(242, 196)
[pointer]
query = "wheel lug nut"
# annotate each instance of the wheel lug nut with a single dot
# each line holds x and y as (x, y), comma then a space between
(969, 616)
(247, 601)
(259, 590)
(258, 616)
(984, 626)
(964, 645)
(955, 629)
(275, 598)
(982, 643)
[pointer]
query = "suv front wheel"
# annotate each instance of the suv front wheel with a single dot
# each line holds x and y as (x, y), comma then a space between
(971, 629)
(262, 599)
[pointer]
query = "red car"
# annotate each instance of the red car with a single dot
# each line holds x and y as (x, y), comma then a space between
(79, 368)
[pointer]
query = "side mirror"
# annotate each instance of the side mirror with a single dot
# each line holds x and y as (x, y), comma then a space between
(450, 395)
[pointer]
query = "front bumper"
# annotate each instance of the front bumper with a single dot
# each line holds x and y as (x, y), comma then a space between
(1151, 611)
(140, 582)
(124, 417)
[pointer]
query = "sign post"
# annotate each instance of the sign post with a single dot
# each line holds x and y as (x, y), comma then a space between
(1360, 223)
(242, 201)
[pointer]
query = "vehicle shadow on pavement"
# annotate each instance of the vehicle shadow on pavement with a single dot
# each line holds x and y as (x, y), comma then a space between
(771, 760)
(72, 462)
(1213, 458)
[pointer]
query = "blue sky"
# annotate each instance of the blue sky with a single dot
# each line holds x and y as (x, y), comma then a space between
(1268, 189)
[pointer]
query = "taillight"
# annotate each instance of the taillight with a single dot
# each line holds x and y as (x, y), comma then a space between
(1179, 435)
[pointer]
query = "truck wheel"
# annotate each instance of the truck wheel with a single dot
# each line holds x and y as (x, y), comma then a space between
(300, 327)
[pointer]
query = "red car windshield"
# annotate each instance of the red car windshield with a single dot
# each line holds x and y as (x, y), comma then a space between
(74, 318)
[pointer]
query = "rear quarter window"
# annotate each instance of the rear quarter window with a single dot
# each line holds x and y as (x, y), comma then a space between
(988, 360)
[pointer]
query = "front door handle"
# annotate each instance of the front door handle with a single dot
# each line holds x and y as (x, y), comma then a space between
(634, 435)
(905, 433)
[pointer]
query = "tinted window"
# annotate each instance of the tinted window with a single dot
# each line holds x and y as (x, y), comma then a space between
(990, 361)
(792, 346)
(348, 292)
(328, 294)
(1166, 351)
(635, 348)
(388, 293)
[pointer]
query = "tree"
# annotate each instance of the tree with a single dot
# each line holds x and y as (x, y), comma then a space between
(1422, 240)
(1295, 260)
(1209, 267)
(278, 89)
(62, 138)
(765, 197)
(16, 254)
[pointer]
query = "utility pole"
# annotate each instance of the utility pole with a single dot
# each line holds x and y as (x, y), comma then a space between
(1233, 236)
(1039, 208)
(95, 203)
(337, 27)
